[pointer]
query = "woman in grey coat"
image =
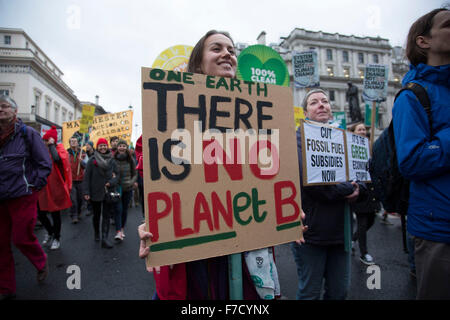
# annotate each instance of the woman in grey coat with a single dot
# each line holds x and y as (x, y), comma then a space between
(101, 174)
(128, 181)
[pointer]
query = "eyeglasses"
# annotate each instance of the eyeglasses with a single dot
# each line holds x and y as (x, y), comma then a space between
(5, 106)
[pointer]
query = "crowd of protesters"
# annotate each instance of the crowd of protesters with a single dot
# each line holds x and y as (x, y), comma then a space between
(40, 179)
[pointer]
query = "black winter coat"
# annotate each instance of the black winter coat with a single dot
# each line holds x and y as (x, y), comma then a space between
(371, 203)
(95, 179)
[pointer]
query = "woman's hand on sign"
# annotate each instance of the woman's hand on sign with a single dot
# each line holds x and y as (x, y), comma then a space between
(352, 197)
(144, 236)
(304, 229)
(143, 249)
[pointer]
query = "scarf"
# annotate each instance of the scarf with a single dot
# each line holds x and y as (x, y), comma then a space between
(7, 131)
(121, 156)
(102, 159)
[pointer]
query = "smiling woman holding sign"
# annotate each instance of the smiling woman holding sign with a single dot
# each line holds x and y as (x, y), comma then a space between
(197, 277)
(323, 256)
(214, 55)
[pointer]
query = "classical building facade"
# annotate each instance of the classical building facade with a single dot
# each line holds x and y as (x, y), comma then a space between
(30, 77)
(342, 59)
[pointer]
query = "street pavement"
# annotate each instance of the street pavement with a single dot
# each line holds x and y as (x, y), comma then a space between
(119, 274)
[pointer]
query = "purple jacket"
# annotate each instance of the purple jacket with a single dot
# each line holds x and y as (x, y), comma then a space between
(24, 163)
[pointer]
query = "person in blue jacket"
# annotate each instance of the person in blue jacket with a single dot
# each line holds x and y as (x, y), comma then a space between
(424, 153)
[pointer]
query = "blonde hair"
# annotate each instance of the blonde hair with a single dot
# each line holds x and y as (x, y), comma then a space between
(308, 94)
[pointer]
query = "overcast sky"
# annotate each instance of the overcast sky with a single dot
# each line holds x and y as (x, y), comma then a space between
(100, 45)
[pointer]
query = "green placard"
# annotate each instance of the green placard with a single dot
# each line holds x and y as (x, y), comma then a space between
(259, 63)
(339, 119)
(368, 115)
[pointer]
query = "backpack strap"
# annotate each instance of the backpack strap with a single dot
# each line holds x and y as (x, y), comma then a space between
(422, 95)
(23, 132)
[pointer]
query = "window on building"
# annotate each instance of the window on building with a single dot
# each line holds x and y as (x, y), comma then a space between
(56, 113)
(48, 102)
(361, 73)
(312, 48)
(7, 39)
(64, 115)
(329, 55)
(360, 57)
(47, 110)
(332, 95)
(70, 116)
(346, 72)
(330, 71)
(37, 102)
(4, 92)
(375, 58)
(345, 56)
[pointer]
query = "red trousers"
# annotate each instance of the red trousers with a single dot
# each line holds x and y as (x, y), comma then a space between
(17, 220)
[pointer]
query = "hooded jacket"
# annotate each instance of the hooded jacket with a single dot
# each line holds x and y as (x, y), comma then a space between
(424, 154)
(24, 163)
(55, 196)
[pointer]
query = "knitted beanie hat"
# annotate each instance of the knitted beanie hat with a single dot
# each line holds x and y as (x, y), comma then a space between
(102, 141)
(51, 133)
(121, 141)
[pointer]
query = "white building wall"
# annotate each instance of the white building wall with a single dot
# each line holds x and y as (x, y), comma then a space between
(25, 71)
(301, 40)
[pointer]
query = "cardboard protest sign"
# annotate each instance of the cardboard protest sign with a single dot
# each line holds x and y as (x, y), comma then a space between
(339, 119)
(87, 117)
(305, 69)
(299, 114)
(324, 154)
(375, 82)
(358, 152)
(103, 126)
(173, 58)
(368, 114)
(217, 180)
(259, 63)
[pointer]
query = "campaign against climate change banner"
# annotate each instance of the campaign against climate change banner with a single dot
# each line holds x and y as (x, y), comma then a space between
(217, 180)
(375, 82)
(331, 155)
(108, 125)
(305, 69)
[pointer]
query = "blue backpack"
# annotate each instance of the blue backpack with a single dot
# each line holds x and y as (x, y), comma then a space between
(389, 185)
